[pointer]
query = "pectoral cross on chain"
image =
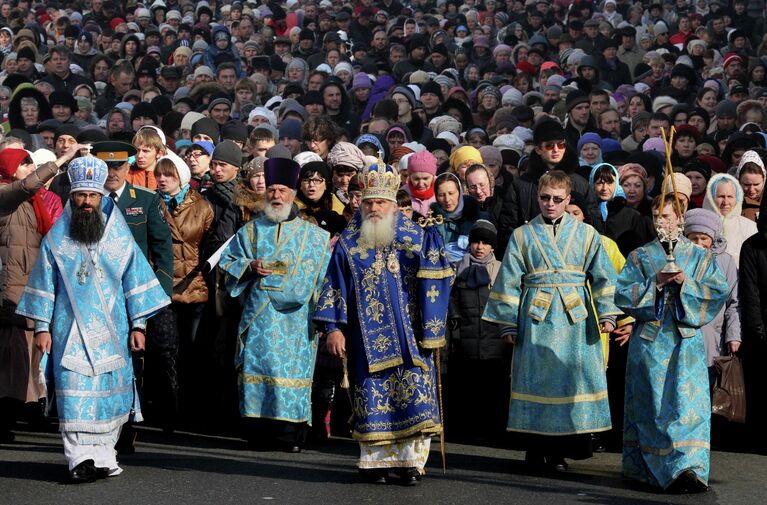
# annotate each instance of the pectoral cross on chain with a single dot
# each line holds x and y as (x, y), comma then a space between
(82, 274)
(432, 294)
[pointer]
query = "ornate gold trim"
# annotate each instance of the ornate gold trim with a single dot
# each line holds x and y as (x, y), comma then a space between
(282, 382)
(559, 400)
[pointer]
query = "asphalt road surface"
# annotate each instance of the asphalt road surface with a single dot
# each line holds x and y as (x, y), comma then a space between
(194, 469)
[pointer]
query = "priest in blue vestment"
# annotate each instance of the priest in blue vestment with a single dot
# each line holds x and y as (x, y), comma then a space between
(667, 424)
(276, 263)
(90, 294)
(543, 303)
(383, 306)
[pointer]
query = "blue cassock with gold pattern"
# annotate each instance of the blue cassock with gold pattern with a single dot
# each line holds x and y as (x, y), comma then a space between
(558, 382)
(391, 304)
(89, 298)
(276, 345)
(667, 426)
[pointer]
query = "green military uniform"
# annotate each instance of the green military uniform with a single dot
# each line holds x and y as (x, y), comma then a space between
(144, 211)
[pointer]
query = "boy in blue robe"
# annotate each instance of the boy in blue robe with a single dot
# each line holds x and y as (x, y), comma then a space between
(542, 301)
(667, 423)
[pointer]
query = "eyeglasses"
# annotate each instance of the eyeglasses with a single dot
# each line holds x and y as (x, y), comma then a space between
(194, 154)
(549, 146)
(401, 101)
(313, 182)
(4, 98)
(556, 199)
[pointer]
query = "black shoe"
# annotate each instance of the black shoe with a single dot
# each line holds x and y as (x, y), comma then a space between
(535, 461)
(597, 445)
(83, 473)
(408, 476)
(557, 464)
(687, 483)
(125, 445)
(7, 436)
(375, 476)
(102, 472)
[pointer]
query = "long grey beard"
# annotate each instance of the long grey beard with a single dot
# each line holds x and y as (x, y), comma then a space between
(86, 227)
(277, 214)
(378, 234)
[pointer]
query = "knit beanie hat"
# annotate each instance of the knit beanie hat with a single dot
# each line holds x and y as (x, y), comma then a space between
(702, 221)
(491, 155)
(362, 81)
(228, 152)
(485, 231)
(464, 154)
(576, 97)
(184, 173)
(206, 126)
(291, 128)
(422, 161)
(696, 165)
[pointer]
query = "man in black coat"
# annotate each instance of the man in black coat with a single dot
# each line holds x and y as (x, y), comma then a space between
(551, 153)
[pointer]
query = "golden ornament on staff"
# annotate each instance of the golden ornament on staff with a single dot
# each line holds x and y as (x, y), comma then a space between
(669, 236)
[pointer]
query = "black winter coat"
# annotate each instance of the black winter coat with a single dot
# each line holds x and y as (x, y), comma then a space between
(626, 226)
(753, 287)
(520, 203)
(476, 339)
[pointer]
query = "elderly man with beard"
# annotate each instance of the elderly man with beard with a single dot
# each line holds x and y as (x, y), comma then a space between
(90, 294)
(276, 261)
(383, 306)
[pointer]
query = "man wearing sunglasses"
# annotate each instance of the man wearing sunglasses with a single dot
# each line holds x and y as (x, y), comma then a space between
(551, 152)
(544, 307)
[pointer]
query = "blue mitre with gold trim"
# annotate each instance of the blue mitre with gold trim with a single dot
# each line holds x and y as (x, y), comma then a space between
(379, 180)
(88, 174)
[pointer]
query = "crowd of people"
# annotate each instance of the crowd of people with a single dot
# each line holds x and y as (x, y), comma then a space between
(299, 212)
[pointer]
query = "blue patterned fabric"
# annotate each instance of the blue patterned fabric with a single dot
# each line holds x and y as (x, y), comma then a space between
(391, 304)
(667, 407)
(90, 317)
(276, 349)
(558, 384)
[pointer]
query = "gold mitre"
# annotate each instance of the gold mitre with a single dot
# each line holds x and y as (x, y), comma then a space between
(379, 180)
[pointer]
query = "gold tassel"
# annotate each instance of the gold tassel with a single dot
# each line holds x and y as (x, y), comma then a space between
(345, 380)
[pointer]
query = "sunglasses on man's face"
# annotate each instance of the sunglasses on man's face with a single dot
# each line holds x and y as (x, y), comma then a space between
(549, 146)
(556, 199)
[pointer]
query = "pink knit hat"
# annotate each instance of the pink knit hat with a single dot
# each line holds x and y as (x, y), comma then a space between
(422, 161)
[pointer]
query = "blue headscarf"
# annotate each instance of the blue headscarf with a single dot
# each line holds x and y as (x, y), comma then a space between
(618, 189)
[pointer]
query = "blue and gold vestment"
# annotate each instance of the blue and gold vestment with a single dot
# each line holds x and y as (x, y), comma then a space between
(89, 299)
(558, 382)
(667, 425)
(391, 304)
(276, 345)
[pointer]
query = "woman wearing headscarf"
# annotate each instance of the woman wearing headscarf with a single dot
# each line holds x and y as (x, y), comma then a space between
(722, 335)
(724, 196)
(189, 217)
(250, 189)
(459, 213)
(624, 225)
(28, 108)
(751, 175)
(22, 228)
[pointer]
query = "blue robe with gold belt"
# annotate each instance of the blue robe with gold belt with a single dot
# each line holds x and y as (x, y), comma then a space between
(391, 304)
(89, 303)
(668, 411)
(558, 384)
(276, 347)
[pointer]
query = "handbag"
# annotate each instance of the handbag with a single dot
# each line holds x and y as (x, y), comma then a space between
(729, 394)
